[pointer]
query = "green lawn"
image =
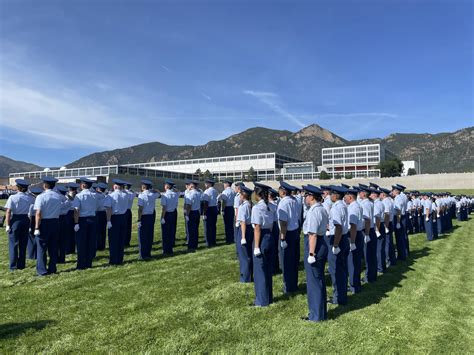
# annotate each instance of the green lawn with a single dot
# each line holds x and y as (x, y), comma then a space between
(194, 303)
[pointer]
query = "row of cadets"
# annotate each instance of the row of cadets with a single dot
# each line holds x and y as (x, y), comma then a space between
(227, 210)
(169, 217)
(209, 212)
(146, 219)
(192, 205)
(245, 235)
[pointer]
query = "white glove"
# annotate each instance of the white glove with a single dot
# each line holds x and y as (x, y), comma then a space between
(163, 221)
(76, 227)
(353, 247)
(437, 216)
(109, 225)
(257, 252)
(398, 225)
(311, 259)
(387, 230)
(427, 219)
(328, 233)
(243, 241)
(204, 217)
(283, 244)
(37, 232)
(410, 216)
(336, 250)
(377, 233)
(186, 218)
(139, 224)
(366, 238)
(7, 229)
(237, 224)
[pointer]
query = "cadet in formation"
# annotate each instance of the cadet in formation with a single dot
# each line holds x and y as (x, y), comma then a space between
(63, 224)
(209, 212)
(245, 235)
(355, 226)
(169, 217)
(31, 249)
(192, 205)
(146, 219)
(101, 216)
(227, 209)
(128, 215)
(116, 204)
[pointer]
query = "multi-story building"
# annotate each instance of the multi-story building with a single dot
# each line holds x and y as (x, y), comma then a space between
(356, 160)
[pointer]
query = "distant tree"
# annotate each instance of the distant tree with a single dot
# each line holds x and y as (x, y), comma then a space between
(323, 175)
(199, 173)
(251, 174)
(411, 171)
(279, 178)
(207, 175)
(390, 167)
(337, 176)
(348, 176)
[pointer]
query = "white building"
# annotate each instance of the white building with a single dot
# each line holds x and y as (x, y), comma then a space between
(410, 164)
(356, 160)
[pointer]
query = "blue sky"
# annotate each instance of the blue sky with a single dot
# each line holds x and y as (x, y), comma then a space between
(84, 76)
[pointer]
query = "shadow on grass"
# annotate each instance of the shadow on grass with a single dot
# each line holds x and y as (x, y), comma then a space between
(13, 330)
(373, 293)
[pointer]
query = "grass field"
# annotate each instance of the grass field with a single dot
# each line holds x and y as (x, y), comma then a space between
(194, 303)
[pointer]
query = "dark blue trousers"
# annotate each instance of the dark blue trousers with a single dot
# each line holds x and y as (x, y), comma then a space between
(31, 248)
(400, 240)
(354, 264)
(421, 222)
(289, 261)
(117, 235)
(86, 242)
(145, 236)
(18, 240)
(262, 270)
(315, 280)
(229, 217)
(210, 225)
(439, 225)
(174, 224)
(338, 269)
(276, 241)
(390, 247)
(168, 231)
(70, 234)
(381, 257)
(429, 229)
(370, 256)
(62, 240)
(193, 230)
(245, 254)
(47, 245)
(101, 230)
(405, 226)
(434, 227)
(128, 227)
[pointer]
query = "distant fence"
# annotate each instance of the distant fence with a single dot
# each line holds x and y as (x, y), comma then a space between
(414, 182)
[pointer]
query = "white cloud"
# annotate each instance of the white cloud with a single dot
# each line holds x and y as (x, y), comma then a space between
(206, 96)
(272, 100)
(165, 68)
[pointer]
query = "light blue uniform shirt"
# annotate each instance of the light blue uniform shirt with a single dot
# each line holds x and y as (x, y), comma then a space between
(100, 196)
(193, 199)
(327, 204)
(243, 214)
(427, 205)
(273, 207)
(65, 206)
(86, 203)
(169, 200)
(299, 206)
(316, 220)
(210, 195)
(388, 208)
(131, 197)
(338, 216)
(227, 197)
(367, 211)
(237, 200)
(117, 201)
(147, 200)
(287, 211)
(49, 204)
(398, 203)
(262, 215)
(19, 203)
(354, 212)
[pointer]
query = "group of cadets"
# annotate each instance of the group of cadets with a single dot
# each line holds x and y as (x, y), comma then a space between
(347, 227)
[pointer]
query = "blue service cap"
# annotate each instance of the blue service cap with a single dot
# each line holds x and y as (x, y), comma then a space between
(72, 185)
(119, 182)
(36, 190)
(375, 191)
(387, 191)
(273, 191)
(240, 183)
(227, 181)
(396, 187)
(195, 182)
(285, 186)
(49, 179)
(346, 186)
(351, 192)
(402, 187)
(102, 185)
(210, 181)
(86, 180)
(338, 189)
(246, 190)
(126, 183)
(357, 188)
(94, 185)
(262, 186)
(147, 182)
(363, 186)
(21, 182)
(374, 185)
(62, 189)
(169, 182)
(188, 181)
(313, 190)
(326, 187)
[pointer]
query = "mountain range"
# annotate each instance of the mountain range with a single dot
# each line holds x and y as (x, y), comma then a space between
(442, 152)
